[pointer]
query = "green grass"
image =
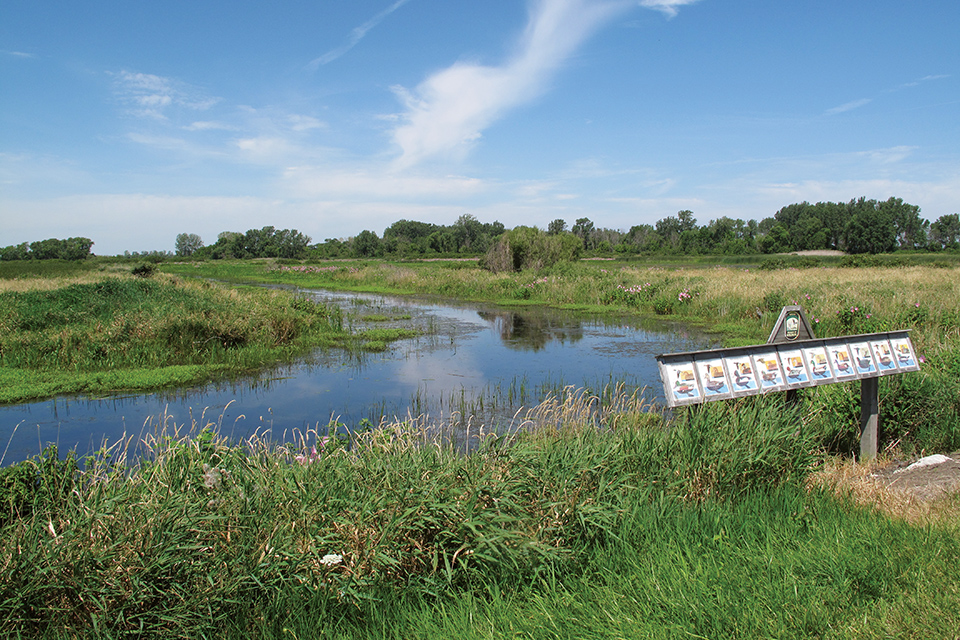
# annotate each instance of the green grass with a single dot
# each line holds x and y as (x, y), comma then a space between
(588, 521)
(120, 333)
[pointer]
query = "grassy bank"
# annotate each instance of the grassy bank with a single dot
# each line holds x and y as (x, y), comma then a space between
(96, 332)
(586, 522)
(919, 411)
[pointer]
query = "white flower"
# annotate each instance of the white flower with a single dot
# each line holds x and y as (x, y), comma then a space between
(331, 559)
(211, 477)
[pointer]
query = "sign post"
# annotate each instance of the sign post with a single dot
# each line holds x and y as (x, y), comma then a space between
(869, 417)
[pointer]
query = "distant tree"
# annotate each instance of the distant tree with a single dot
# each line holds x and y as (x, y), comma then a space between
(775, 240)
(468, 234)
(409, 230)
(583, 229)
(15, 252)
(945, 232)
(408, 237)
(267, 242)
(366, 245)
(910, 230)
(75, 248)
(687, 221)
(869, 228)
(45, 249)
(290, 243)
(639, 237)
(188, 243)
(556, 227)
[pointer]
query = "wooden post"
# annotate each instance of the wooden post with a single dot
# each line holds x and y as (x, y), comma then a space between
(869, 411)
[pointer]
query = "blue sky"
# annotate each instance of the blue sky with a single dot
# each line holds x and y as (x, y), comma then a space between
(129, 122)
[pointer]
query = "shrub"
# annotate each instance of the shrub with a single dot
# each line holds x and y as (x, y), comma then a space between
(530, 248)
(144, 270)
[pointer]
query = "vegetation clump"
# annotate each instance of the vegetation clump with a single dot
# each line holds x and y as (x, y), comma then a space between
(528, 248)
(143, 333)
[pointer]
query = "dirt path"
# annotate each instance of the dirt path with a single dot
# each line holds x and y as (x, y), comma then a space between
(926, 479)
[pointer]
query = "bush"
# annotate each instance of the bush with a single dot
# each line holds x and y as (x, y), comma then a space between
(144, 270)
(530, 248)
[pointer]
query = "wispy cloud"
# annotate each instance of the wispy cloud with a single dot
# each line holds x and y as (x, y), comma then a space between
(376, 184)
(356, 35)
(150, 95)
(18, 54)
(448, 111)
(848, 106)
(856, 104)
(668, 7)
(917, 83)
(209, 125)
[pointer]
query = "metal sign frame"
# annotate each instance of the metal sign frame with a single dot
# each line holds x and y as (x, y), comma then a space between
(720, 374)
(792, 359)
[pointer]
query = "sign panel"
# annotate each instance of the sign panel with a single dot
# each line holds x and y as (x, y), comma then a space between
(719, 374)
(794, 367)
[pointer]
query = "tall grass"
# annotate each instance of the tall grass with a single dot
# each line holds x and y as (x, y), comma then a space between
(582, 522)
(123, 332)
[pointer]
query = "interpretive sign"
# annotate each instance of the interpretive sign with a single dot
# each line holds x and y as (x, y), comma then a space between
(792, 359)
(720, 374)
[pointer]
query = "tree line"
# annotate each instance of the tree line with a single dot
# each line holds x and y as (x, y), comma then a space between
(857, 226)
(49, 249)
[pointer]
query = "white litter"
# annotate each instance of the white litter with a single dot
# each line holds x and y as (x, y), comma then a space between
(929, 461)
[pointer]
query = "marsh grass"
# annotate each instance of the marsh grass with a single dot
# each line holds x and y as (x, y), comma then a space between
(590, 519)
(144, 333)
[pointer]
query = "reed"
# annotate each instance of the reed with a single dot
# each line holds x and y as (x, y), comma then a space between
(117, 333)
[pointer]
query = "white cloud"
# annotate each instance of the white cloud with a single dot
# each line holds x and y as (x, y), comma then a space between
(448, 111)
(356, 35)
(376, 185)
(208, 125)
(668, 7)
(149, 95)
(304, 123)
(265, 148)
(848, 106)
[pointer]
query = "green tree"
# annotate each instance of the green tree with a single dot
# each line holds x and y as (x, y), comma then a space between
(187, 244)
(869, 228)
(15, 252)
(556, 227)
(45, 249)
(366, 245)
(945, 232)
(75, 248)
(583, 229)
(910, 230)
(776, 240)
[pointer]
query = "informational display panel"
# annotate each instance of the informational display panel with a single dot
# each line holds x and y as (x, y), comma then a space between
(721, 374)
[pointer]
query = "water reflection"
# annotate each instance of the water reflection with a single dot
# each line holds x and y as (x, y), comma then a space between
(532, 329)
(469, 358)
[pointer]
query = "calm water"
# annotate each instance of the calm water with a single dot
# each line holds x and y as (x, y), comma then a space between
(507, 357)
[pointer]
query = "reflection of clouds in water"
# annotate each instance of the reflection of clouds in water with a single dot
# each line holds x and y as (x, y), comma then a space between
(440, 373)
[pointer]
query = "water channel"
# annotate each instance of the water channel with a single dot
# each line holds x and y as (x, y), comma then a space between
(469, 357)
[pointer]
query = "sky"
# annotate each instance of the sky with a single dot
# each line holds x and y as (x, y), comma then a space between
(129, 122)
